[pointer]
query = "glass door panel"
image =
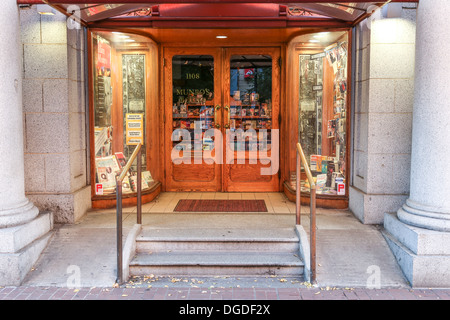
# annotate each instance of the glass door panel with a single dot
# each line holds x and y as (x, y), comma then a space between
(222, 108)
(193, 110)
(250, 110)
(252, 115)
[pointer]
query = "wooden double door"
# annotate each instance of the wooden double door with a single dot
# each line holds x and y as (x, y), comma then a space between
(221, 119)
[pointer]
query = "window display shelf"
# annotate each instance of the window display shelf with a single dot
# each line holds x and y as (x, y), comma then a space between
(251, 117)
(322, 201)
(108, 201)
(191, 117)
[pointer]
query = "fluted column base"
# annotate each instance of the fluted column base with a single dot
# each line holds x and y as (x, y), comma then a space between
(421, 216)
(15, 216)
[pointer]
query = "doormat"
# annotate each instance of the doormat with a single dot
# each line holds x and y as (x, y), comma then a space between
(205, 205)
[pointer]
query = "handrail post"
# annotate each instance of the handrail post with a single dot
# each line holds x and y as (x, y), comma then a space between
(136, 152)
(313, 234)
(139, 187)
(119, 230)
(312, 214)
(298, 204)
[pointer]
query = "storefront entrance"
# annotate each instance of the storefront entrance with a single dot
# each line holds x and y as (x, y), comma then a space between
(221, 119)
(222, 115)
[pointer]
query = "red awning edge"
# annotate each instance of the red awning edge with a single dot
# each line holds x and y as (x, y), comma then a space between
(215, 13)
(197, 2)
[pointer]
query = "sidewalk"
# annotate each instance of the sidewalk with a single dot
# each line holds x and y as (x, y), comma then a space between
(205, 293)
(351, 257)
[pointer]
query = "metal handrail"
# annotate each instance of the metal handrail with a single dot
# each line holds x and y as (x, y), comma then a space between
(136, 154)
(301, 159)
(130, 162)
(306, 166)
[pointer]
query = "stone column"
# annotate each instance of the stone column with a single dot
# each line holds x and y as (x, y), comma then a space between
(428, 205)
(418, 234)
(15, 208)
(23, 232)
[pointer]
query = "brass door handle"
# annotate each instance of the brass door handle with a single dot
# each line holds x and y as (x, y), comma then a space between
(227, 125)
(216, 111)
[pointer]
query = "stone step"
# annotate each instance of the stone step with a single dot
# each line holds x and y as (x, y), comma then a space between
(216, 264)
(217, 252)
(217, 239)
(217, 246)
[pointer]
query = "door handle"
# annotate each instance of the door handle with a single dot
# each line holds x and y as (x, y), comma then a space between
(216, 111)
(227, 125)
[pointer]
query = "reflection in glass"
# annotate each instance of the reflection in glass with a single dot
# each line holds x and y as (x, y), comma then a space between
(251, 101)
(133, 99)
(193, 105)
(310, 104)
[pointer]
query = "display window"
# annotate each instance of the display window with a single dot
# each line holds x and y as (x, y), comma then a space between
(121, 109)
(177, 100)
(322, 109)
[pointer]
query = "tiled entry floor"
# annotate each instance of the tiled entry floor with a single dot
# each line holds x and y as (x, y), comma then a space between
(276, 202)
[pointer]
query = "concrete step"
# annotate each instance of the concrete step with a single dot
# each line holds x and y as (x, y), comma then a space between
(217, 239)
(216, 264)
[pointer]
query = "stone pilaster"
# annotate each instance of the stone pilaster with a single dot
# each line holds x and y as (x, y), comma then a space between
(384, 86)
(54, 109)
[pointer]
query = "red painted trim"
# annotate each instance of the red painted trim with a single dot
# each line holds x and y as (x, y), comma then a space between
(210, 10)
(219, 22)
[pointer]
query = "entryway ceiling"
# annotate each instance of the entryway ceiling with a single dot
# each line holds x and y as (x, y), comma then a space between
(174, 13)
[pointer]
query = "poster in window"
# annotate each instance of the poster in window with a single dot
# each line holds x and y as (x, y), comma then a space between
(134, 129)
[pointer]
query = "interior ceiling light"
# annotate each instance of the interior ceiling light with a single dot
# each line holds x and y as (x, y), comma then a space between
(221, 37)
(321, 35)
(45, 10)
(120, 35)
